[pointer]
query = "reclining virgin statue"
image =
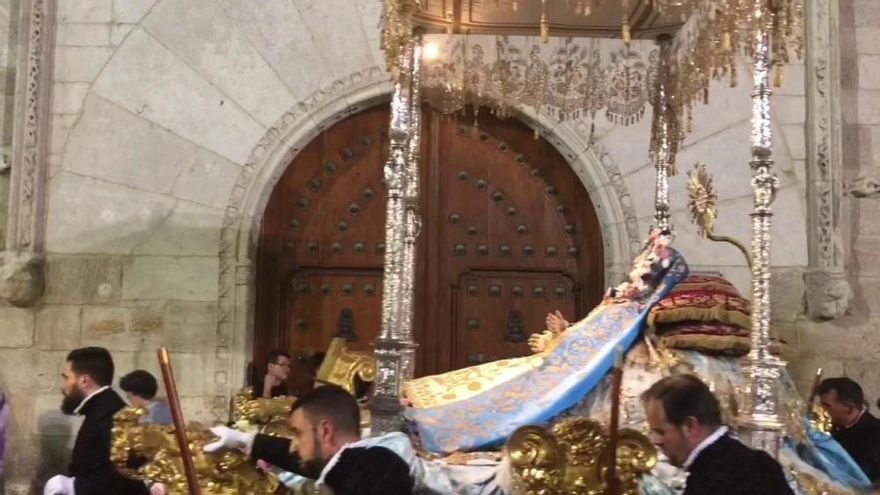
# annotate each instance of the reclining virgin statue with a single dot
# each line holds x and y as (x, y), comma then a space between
(477, 409)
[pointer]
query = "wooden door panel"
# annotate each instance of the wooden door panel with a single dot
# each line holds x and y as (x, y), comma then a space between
(322, 304)
(499, 208)
(496, 311)
(335, 179)
(502, 204)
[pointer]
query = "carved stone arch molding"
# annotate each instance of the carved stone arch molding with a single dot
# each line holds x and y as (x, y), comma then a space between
(284, 140)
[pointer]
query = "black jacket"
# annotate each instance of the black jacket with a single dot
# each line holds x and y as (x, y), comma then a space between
(358, 471)
(90, 463)
(728, 467)
(862, 442)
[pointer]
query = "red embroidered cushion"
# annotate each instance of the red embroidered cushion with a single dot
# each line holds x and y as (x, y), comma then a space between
(705, 298)
(711, 338)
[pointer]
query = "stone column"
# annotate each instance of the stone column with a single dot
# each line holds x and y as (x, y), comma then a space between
(395, 348)
(21, 274)
(828, 292)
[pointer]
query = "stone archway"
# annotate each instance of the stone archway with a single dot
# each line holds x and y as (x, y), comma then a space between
(283, 141)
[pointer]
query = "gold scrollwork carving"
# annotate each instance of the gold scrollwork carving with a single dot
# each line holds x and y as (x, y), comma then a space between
(343, 366)
(158, 456)
(257, 410)
(572, 458)
(225, 473)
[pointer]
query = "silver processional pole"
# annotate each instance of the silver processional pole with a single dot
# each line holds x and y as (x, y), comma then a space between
(395, 348)
(761, 419)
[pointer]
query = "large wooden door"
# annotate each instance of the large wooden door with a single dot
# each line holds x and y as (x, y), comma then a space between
(509, 233)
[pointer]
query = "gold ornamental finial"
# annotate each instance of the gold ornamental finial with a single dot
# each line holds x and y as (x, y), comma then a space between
(701, 202)
(702, 198)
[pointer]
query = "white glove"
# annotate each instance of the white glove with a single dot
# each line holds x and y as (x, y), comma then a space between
(59, 485)
(230, 439)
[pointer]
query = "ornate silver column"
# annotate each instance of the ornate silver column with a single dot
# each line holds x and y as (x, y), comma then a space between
(828, 292)
(662, 136)
(412, 219)
(395, 348)
(760, 420)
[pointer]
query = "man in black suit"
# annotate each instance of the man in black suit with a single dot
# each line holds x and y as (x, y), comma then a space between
(87, 376)
(854, 427)
(685, 421)
(327, 447)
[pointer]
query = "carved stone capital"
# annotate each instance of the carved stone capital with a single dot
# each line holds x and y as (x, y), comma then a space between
(863, 188)
(22, 278)
(828, 294)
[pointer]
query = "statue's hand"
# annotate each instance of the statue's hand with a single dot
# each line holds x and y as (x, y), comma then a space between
(538, 341)
(230, 439)
(556, 323)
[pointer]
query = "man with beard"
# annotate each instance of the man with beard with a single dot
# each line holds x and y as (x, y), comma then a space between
(88, 373)
(685, 422)
(327, 447)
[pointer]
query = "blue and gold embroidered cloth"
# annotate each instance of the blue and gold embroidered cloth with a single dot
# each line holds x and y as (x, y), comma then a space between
(535, 389)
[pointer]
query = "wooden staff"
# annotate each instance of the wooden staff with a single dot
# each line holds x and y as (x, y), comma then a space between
(813, 392)
(612, 483)
(192, 480)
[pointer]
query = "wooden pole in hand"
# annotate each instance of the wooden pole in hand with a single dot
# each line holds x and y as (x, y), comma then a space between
(611, 483)
(813, 392)
(815, 388)
(192, 480)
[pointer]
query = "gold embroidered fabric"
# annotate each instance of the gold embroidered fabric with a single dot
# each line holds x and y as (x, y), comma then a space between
(436, 390)
(446, 388)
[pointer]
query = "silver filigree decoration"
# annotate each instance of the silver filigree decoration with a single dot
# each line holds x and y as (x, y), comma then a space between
(569, 80)
(395, 350)
(663, 150)
(761, 408)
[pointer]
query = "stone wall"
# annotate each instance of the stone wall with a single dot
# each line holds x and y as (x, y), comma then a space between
(851, 345)
(157, 107)
(171, 120)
